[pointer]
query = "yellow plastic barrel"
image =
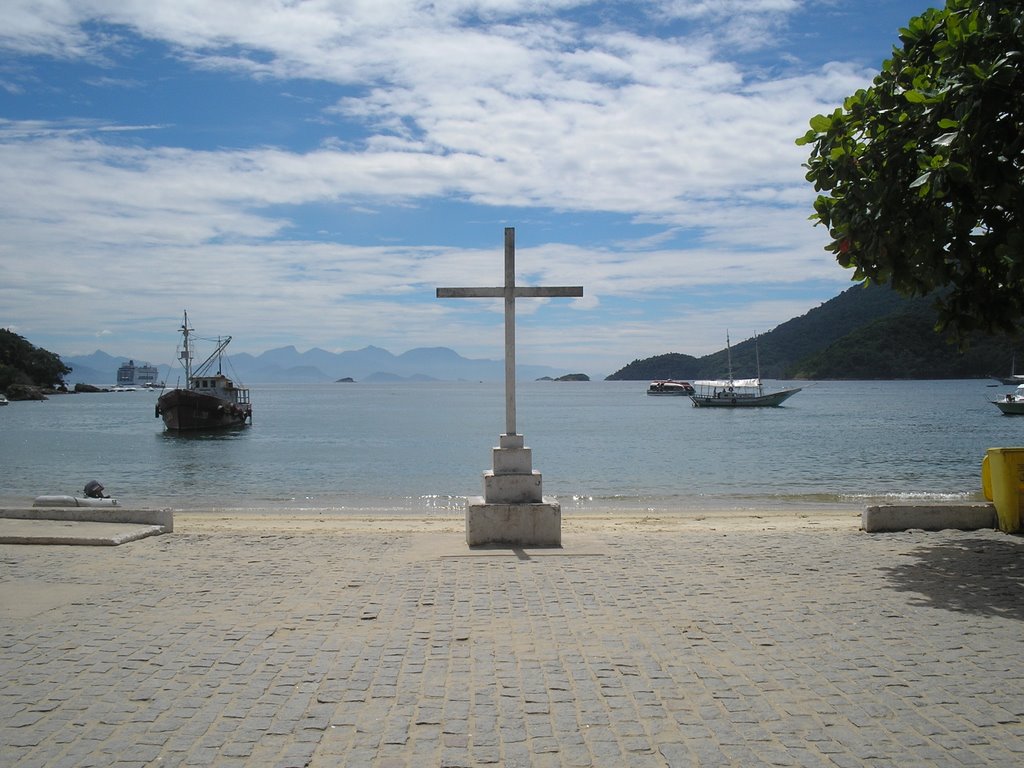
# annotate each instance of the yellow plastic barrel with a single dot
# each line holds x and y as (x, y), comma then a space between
(1002, 481)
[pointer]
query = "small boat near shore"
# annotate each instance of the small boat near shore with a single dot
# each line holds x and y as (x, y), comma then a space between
(1012, 403)
(209, 400)
(670, 388)
(738, 393)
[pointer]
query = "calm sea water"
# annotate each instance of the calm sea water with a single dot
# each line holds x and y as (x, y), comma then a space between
(421, 448)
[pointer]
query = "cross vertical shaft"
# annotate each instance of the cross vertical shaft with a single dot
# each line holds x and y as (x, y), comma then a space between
(510, 331)
(509, 291)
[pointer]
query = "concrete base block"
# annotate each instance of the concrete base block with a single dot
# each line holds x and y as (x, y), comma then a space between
(512, 461)
(523, 525)
(513, 489)
(938, 517)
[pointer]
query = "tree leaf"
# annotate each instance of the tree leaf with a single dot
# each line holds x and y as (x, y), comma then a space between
(821, 123)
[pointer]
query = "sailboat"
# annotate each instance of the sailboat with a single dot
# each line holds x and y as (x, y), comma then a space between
(738, 393)
(1014, 377)
(208, 400)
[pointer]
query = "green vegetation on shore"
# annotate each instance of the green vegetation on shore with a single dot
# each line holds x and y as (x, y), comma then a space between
(26, 369)
(867, 332)
(919, 175)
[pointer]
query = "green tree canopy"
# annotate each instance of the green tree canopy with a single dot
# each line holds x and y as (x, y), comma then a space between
(921, 174)
(24, 363)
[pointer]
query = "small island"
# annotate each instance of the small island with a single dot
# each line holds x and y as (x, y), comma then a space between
(567, 377)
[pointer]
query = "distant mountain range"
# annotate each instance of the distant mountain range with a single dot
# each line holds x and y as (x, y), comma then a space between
(867, 332)
(288, 365)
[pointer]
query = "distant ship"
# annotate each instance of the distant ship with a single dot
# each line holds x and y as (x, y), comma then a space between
(143, 375)
(209, 400)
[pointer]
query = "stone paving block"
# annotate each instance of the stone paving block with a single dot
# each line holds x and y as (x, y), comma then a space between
(800, 648)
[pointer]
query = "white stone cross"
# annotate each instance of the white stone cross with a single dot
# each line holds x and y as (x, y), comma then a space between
(510, 291)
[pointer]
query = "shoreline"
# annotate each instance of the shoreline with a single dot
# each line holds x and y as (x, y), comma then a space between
(261, 516)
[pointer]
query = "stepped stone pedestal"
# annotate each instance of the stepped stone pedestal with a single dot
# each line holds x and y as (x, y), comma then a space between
(513, 510)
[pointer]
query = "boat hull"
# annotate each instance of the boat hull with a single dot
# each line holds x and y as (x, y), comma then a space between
(740, 400)
(1010, 407)
(182, 409)
(670, 388)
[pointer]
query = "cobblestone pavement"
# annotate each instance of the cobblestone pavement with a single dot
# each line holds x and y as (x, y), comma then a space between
(795, 648)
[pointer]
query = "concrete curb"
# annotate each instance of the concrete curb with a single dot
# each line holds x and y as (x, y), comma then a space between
(161, 517)
(936, 517)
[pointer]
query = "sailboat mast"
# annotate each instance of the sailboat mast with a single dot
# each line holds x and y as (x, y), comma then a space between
(728, 355)
(186, 350)
(757, 358)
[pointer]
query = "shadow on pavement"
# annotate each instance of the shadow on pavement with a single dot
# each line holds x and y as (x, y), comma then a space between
(981, 577)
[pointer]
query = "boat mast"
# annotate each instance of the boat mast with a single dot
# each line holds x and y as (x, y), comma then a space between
(207, 364)
(186, 352)
(728, 355)
(757, 358)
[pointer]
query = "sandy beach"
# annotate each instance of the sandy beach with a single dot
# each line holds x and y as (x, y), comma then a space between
(329, 522)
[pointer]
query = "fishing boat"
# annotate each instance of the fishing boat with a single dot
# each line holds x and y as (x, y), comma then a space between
(1012, 404)
(738, 393)
(670, 388)
(209, 400)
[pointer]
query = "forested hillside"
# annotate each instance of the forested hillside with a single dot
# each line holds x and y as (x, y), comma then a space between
(669, 366)
(905, 346)
(867, 332)
(24, 365)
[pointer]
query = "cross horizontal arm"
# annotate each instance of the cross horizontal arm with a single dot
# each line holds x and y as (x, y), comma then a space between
(470, 293)
(553, 290)
(497, 293)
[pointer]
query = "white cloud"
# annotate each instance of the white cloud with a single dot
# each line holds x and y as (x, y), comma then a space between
(529, 110)
(45, 27)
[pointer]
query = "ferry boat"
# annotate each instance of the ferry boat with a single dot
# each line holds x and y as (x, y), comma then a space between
(738, 393)
(209, 399)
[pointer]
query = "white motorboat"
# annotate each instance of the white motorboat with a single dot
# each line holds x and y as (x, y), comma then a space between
(670, 388)
(1012, 403)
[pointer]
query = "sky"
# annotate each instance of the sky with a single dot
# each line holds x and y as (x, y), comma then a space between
(308, 172)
